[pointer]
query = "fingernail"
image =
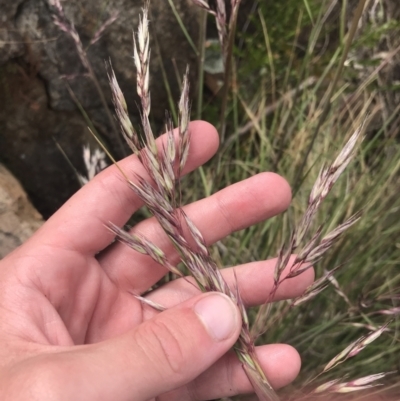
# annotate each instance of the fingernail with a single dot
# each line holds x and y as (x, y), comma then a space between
(219, 315)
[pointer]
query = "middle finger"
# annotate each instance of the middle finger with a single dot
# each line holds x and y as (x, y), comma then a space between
(236, 207)
(253, 281)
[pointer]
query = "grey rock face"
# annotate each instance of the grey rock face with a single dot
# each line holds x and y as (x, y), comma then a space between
(40, 68)
(11, 42)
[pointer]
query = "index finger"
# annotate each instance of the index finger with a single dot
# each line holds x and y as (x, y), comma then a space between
(80, 223)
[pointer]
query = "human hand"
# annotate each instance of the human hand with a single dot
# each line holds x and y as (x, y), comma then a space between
(71, 329)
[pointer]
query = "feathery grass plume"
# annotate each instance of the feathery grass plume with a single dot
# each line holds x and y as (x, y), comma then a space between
(165, 168)
(60, 19)
(316, 247)
(311, 252)
(65, 25)
(141, 52)
(207, 275)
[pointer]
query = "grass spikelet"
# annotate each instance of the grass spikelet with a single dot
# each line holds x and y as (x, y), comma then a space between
(140, 244)
(355, 348)
(315, 288)
(362, 383)
(184, 117)
(121, 111)
(141, 55)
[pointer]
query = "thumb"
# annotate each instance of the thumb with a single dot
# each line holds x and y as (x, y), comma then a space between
(165, 352)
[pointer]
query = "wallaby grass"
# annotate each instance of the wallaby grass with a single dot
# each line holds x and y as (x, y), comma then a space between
(294, 93)
(282, 68)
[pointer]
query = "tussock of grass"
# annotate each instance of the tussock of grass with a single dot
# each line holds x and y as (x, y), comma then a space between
(271, 128)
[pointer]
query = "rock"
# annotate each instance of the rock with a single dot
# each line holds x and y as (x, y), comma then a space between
(11, 42)
(40, 68)
(18, 218)
(29, 134)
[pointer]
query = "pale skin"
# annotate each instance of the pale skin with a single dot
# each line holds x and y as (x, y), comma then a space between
(71, 329)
